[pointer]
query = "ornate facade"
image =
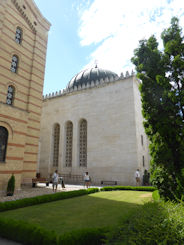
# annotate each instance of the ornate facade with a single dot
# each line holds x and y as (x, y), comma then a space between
(23, 44)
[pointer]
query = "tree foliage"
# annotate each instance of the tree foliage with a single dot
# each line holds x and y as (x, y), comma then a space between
(162, 93)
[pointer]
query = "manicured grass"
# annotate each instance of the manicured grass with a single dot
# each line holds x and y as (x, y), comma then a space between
(102, 209)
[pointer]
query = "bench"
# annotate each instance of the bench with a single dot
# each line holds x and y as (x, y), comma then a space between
(108, 182)
(40, 180)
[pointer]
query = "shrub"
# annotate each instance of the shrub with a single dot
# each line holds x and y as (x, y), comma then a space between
(155, 195)
(133, 188)
(31, 234)
(26, 233)
(11, 186)
(90, 236)
(153, 223)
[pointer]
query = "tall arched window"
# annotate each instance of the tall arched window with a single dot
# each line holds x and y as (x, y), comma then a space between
(3, 143)
(10, 95)
(18, 35)
(83, 143)
(56, 145)
(69, 139)
(14, 63)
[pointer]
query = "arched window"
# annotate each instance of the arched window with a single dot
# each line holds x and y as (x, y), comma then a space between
(83, 143)
(69, 139)
(14, 63)
(18, 35)
(3, 143)
(56, 145)
(10, 95)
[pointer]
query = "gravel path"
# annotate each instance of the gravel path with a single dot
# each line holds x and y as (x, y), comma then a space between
(41, 189)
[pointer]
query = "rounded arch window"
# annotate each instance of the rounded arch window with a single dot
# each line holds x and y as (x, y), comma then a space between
(3, 143)
(56, 137)
(10, 95)
(83, 143)
(69, 140)
(14, 63)
(18, 35)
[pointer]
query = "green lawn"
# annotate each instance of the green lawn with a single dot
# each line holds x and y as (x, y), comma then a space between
(100, 209)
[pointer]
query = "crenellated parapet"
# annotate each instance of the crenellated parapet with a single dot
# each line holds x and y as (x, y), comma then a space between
(89, 85)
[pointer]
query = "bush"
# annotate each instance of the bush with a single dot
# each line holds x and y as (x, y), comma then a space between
(133, 188)
(43, 199)
(11, 186)
(31, 234)
(152, 224)
(156, 196)
(90, 236)
(26, 233)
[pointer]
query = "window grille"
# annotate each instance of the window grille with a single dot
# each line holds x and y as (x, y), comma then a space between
(3, 143)
(18, 35)
(14, 64)
(10, 95)
(69, 139)
(83, 144)
(56, 145)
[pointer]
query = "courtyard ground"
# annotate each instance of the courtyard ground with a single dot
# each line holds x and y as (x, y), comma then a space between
(41, 189)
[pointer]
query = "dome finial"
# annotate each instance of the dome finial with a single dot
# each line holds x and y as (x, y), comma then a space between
(96, 63)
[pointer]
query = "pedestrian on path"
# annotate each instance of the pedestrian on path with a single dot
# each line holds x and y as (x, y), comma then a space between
(55, 179)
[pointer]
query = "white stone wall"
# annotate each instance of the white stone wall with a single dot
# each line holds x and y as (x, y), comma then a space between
(142, 149)
(112, 133)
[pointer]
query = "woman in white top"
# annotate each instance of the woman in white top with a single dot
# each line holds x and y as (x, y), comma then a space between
(87, 179)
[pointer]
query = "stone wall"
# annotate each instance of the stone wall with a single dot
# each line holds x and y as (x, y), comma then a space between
(112, 135)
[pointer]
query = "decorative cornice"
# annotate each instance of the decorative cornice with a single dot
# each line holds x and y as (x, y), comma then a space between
(24, 15)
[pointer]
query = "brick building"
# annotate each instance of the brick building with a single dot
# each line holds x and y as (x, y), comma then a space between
(23, 45)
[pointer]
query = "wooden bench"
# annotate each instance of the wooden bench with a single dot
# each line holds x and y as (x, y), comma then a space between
(108, 182)
(40, 180)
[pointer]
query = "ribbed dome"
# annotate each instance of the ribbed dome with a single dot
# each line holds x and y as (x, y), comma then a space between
(92, 74)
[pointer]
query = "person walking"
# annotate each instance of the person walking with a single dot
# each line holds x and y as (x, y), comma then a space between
(87, 180)
(137, 177)
(55, 178)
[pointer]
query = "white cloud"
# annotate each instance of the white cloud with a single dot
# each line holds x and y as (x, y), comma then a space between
(116, 26)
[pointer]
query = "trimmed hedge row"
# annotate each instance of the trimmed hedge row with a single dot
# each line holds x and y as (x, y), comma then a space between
(132, 188)
(31, 234)
(9, 205)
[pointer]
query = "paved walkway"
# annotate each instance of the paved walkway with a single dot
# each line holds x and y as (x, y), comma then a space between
(7, 242)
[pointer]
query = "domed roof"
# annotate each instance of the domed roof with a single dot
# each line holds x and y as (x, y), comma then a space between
(92, 75)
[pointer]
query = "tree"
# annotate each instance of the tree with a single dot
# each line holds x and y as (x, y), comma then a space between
(162, 94)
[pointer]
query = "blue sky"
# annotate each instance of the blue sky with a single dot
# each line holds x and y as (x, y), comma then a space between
(108, 31)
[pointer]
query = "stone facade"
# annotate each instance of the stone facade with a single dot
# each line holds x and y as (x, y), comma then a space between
(23, 35)
(116, 141)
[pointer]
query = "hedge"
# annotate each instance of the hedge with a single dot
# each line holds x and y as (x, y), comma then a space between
(25, 202)
(132, 188)
(31, 234)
